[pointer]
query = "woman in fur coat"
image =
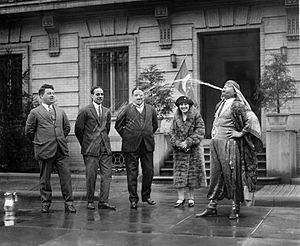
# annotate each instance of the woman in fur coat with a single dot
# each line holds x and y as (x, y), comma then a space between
(186, 133)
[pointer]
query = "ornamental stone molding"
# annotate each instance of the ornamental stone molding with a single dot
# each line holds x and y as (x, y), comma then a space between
(50, 24)
(161, 14)
(292, 20)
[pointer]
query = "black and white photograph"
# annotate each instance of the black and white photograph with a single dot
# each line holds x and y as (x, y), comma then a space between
(149, 123)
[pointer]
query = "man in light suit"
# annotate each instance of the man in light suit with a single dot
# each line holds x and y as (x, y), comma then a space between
(91, 129)
(136, 124)
(48, 126)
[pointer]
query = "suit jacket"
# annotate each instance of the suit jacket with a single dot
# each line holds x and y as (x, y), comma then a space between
(91, 131)
(47, 135)
(133, 132)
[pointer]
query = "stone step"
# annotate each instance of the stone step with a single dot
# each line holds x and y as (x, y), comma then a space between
(169, 169)
(295, 181)
(168, 163)
(268, 180)
(166, 171)
(163, 179)
(260, 180)
(287, 195)
(262, 174)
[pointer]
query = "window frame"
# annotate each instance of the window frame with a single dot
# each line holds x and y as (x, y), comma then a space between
(24, 51)
(87, 47)
(112, 94)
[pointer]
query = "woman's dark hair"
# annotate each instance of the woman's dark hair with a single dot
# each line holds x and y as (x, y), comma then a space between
(184, 99)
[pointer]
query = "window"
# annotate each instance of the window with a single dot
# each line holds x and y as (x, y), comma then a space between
(11, 85)
(110, 71)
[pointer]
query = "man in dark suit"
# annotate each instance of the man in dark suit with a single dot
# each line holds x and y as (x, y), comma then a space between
(91, 129)
(48, 126)
(136, 124)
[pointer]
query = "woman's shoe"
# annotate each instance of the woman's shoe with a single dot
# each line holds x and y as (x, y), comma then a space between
(191, 203)
(179, 203)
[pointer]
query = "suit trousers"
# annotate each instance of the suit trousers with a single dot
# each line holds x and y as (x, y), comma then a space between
(132, 166)
(46, 167)
(104, 161)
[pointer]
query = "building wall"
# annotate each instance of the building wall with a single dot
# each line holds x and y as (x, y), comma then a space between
(70, 72)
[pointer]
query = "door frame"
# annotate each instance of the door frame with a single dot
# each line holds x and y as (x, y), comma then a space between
(198, 62)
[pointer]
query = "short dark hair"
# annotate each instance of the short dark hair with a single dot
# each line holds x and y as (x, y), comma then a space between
(94, 88)
(136, 88)
(44, 87)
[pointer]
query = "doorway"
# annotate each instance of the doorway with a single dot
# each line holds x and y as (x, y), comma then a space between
(224, 56)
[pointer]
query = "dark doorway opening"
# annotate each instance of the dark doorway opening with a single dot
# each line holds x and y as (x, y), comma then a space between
(228, 55)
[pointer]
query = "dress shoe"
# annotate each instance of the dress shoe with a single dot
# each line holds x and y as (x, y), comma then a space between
(133, 205)
(234, 215)
(179, 203)
(45, 209)
(105, 205)
(208, 212)
(90, 206)
(70, 209)
(149, 201)
(191, 203)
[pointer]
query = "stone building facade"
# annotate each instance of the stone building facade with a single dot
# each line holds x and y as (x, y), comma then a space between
(73, 44)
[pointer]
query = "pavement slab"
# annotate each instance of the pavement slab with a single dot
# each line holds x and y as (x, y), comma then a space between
(281, 223)
(161, 224)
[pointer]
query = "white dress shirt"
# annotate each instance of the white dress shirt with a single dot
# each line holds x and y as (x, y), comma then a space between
(227, 104)
(140, 108)
(98, 108)
(47, 106)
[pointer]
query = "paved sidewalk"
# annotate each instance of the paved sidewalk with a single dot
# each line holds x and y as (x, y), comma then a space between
(278, 195)
(147, 225)
(28, 185)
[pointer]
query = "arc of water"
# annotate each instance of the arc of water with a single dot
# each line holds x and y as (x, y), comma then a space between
(184, 81)
(210, 85)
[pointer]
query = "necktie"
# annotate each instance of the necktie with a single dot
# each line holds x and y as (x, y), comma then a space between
(99, 111)
(52, 113)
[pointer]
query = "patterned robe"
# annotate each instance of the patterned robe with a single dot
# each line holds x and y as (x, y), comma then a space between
(234, 161)
(188, 164)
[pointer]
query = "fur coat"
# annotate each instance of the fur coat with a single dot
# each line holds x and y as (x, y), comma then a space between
(189, 166)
